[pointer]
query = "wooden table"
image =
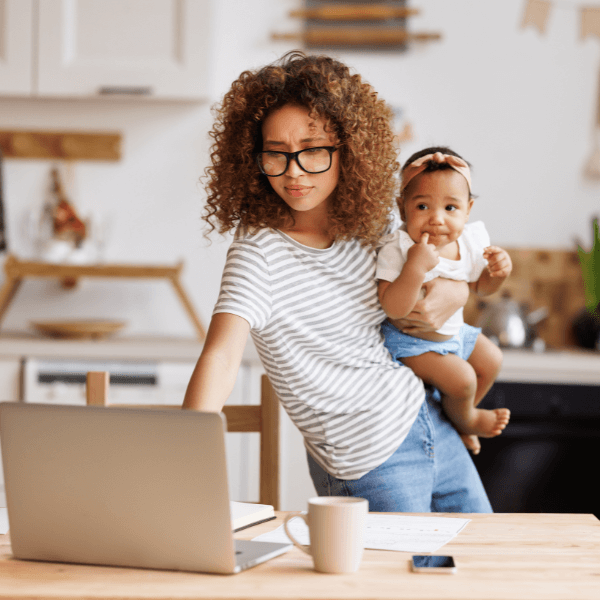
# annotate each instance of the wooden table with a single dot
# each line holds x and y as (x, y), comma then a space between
(499, 556)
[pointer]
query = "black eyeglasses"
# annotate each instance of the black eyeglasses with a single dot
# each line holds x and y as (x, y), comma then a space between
(311, 160)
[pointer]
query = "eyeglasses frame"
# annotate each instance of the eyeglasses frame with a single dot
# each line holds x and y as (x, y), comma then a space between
(294, 155)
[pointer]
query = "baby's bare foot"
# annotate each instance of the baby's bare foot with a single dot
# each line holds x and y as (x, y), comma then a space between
(471, 442)
(486, 423)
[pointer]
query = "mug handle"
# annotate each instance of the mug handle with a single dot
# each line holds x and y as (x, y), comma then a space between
(287, 531)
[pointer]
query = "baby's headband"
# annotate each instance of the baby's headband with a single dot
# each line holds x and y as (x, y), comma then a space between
(419, 165)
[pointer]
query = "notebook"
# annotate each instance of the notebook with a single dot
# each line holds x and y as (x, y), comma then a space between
(246, 514)
(121, 487)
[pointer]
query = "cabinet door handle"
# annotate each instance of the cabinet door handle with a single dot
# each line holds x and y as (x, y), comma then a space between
(123, 90)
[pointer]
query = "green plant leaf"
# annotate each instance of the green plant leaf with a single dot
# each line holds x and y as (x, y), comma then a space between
(590, 270)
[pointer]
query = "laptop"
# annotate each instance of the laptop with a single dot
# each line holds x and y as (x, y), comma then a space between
(121, 487)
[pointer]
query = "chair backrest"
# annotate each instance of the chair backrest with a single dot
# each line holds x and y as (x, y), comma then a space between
(263, 418)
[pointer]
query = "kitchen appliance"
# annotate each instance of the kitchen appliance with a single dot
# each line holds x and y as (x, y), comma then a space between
(508, 323)
(541, 461)
(61, 381)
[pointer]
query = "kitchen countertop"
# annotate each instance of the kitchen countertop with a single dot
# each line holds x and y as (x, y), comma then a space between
(19, 345)
(553, 366)
(575, 366)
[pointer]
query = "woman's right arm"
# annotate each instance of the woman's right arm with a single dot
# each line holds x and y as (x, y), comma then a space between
(216, 370)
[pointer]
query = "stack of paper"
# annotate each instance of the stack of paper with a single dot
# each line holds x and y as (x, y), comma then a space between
(388, 532)
(3, 521)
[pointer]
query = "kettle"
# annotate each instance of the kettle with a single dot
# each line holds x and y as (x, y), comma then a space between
(508, 324)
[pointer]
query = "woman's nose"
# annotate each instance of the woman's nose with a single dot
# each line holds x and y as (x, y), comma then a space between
(294, 169)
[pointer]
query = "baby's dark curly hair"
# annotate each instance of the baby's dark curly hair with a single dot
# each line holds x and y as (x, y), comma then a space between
(239, 194)
(432, 165)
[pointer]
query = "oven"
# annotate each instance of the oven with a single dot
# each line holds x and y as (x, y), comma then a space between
(546, 458)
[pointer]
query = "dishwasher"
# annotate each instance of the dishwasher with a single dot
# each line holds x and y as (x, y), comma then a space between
(62, 381)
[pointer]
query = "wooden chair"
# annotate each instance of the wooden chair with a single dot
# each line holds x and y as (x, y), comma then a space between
(263, 418)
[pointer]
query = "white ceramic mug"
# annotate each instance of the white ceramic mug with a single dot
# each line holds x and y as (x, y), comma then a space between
(336, 526)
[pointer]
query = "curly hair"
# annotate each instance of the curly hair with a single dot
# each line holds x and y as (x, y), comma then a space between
(239, 194)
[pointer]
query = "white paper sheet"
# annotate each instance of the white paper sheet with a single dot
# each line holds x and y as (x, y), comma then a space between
(3, 521)
(388, 532)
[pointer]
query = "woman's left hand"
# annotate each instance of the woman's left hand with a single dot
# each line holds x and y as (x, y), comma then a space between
(443, 297)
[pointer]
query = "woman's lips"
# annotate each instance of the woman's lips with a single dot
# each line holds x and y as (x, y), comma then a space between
(298, 192)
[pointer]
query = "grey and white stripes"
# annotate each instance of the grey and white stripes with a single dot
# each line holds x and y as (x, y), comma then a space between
(314, 318)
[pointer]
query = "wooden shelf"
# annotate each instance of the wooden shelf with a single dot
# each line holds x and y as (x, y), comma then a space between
(66, 145)
(364, 26)
(356, 36)
(17, 270)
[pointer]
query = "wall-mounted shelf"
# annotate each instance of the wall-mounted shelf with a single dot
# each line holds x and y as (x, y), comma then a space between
(354, 12)
(65, 145)
(353, 25)
(356, 37)
(17, 270)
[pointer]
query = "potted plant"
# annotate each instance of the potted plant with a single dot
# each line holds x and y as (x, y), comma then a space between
(586, 326)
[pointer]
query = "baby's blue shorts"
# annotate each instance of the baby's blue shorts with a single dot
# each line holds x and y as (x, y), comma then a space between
(400, 344)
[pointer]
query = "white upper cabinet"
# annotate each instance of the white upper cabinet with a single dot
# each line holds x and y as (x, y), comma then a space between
(92, 48)
(16, 47)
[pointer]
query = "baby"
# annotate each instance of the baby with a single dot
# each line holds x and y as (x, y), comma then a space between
(436, 241)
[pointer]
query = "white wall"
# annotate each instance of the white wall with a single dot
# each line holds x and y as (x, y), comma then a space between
(519, 106)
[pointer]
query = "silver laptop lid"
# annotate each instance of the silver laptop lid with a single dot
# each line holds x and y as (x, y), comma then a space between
(116, 486)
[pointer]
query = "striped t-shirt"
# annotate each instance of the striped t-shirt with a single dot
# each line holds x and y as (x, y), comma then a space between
(314, 317)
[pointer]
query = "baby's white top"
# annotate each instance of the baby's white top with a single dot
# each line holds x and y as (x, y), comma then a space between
(474, 238)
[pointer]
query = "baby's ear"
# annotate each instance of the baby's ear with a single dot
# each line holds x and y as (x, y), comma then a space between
(470, 207)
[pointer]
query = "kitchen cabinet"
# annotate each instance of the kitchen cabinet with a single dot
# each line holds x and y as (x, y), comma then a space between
(105, 48)
(16, 41)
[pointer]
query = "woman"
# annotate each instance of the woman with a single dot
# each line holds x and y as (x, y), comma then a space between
(303, 167)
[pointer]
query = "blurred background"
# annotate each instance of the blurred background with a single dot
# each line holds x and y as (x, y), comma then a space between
(512, 86)
(519, 105)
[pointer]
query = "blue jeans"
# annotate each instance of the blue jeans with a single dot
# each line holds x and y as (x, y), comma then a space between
(430, 472)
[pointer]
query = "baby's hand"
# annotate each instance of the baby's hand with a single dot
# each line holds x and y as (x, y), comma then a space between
(423, 255)
(499, 263)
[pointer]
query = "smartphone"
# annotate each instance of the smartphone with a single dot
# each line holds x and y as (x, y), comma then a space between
(428, 563)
